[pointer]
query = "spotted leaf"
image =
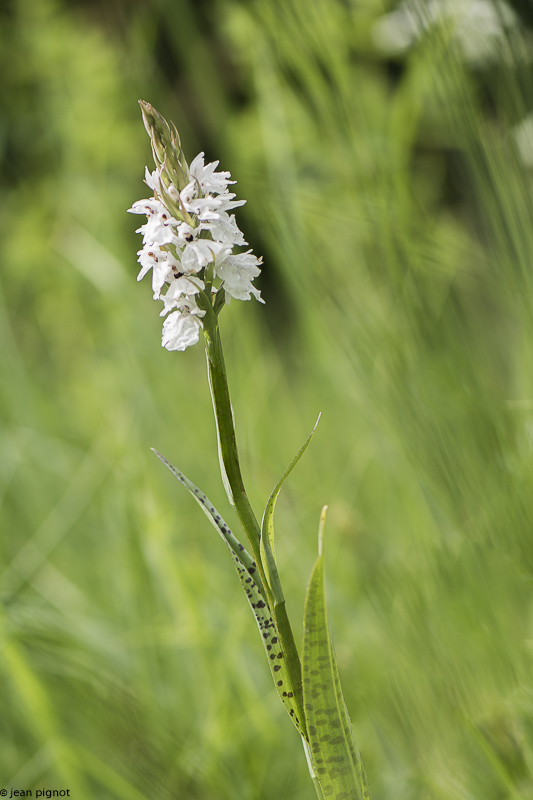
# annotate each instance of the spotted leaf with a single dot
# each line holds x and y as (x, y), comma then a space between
(251, 583)
(216, 519)
(335, 757)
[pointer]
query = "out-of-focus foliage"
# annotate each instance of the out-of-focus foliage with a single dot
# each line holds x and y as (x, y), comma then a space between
(385, 151)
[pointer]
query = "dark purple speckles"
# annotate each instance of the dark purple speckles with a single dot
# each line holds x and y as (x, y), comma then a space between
(277, 668)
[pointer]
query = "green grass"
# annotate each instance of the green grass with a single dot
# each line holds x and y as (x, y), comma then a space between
(394, 216)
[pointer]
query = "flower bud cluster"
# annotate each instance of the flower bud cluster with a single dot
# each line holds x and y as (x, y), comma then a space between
(189, 236)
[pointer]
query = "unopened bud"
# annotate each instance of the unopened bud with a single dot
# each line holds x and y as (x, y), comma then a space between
(166, 147)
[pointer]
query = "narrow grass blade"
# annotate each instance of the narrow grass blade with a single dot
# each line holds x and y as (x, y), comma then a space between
(336, 759)
(39, 713)
(250, 582)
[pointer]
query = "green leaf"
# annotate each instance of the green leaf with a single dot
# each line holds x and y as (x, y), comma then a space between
(216, 519)
(275, 592)
(268, 553)
(336, 759)
(251, 583)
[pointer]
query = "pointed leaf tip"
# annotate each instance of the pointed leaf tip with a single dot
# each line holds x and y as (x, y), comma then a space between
(266, 543)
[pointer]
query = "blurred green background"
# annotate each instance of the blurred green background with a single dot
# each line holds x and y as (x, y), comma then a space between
(385, 151)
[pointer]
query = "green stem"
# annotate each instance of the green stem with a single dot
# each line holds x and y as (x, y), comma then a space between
(227, 442)
(234, 484)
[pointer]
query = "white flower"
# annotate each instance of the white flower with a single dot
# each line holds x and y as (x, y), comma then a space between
(480, 27)
(179, 289)
(178, 251)
(185, 233)
(181, 329)
(153, 180)
(225, 229)
(158, 228)
(238, 272)
(160, 262)
(207, 179)
(145, 206)
(208, 207)
(201, 252)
